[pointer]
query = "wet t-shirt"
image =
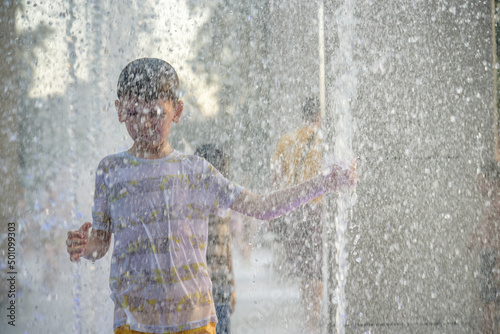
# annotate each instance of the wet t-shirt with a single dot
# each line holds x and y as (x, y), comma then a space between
(158, 211)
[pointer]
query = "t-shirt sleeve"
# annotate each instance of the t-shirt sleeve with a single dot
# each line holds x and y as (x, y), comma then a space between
(100, 213)
(225, 191)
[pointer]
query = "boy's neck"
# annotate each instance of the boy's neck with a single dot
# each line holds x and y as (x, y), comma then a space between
(145, 152)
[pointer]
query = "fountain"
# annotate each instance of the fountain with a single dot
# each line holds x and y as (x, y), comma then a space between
(344, 92)
(404, 87)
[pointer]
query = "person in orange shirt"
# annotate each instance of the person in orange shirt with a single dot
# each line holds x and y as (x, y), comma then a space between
(298, 158)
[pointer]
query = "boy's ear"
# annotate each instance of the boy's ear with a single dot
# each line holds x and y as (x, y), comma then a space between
(121, 116)
(179, 107)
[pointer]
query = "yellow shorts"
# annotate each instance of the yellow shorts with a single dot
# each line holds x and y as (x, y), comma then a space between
(208, 329)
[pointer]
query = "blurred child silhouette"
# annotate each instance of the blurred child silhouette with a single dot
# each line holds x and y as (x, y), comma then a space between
(219, 254)
(298, 158)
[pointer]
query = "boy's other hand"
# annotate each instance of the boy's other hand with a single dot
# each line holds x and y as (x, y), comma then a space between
(77, 242)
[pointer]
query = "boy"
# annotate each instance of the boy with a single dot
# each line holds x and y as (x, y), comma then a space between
(157, 201)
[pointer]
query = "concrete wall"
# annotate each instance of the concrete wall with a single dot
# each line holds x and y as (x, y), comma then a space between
(424, 116)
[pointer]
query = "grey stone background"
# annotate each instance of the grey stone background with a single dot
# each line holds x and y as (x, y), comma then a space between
(425, 123)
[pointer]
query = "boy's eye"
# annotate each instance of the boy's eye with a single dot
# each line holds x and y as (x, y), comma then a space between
(158, 112)
(131, 113)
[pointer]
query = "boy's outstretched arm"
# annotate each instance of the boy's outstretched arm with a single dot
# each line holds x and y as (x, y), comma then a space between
(93, 247)
(275, 204)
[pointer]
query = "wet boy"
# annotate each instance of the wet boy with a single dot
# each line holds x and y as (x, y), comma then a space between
(157, 201)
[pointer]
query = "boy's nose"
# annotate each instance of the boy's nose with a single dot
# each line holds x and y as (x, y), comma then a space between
(146, 120)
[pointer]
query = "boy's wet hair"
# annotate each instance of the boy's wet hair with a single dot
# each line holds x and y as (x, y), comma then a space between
(150, 79)
(215, 156)
(310, 109)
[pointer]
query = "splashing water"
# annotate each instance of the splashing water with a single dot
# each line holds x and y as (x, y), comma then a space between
(77, 290)
(344, 91)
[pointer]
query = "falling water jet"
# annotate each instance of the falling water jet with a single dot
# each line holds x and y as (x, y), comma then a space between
(72, 146)
(344, 91)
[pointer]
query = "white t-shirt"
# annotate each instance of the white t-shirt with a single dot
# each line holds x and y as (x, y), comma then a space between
(158, 211)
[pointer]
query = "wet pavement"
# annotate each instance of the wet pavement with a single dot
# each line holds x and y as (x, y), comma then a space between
(265, 304)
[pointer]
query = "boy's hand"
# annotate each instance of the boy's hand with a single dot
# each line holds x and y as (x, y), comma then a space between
(77, 242)
(341, 177)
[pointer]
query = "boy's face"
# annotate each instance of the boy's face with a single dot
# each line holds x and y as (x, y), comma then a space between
(148, 124)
